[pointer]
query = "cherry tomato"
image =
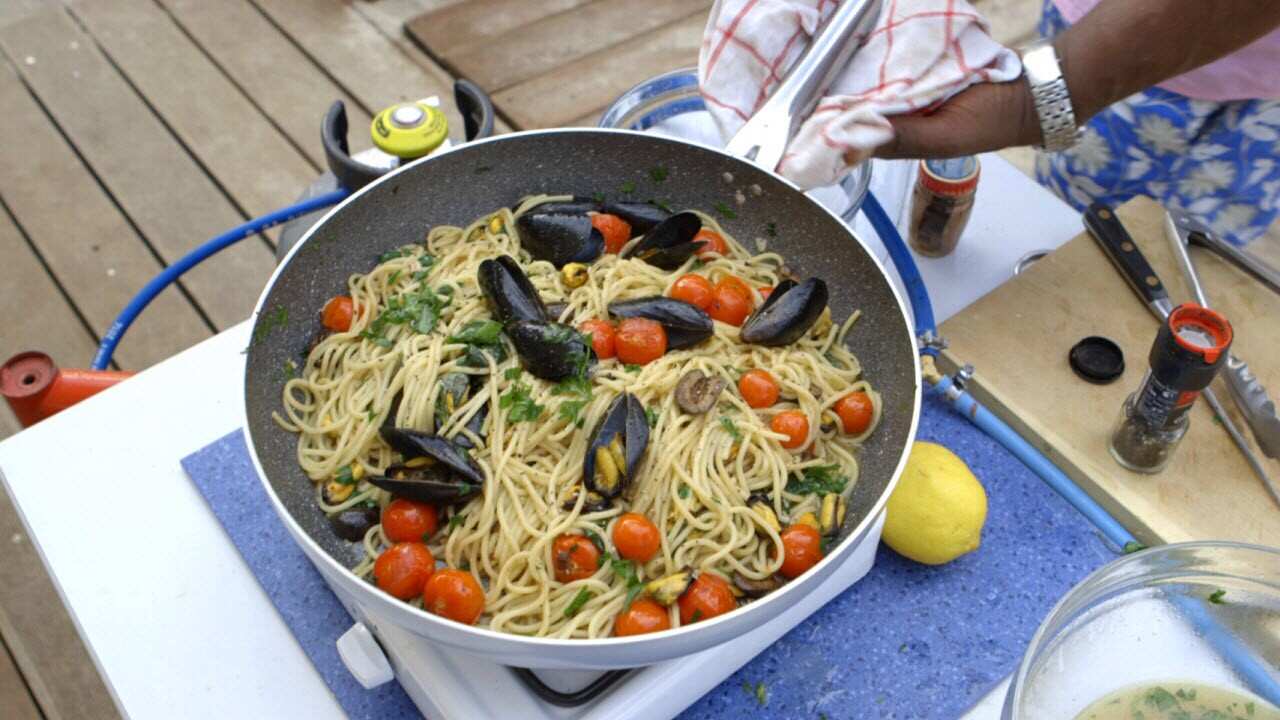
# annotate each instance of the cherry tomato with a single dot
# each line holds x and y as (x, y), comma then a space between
(758, 388)
(644, 616)
(615, 230)
(766, 291)
(801, 549)
(409, 521)
(794, 425)
(855, 411)
(603, 337)
(454, 594)
(738, 285)
(636, 537)
(337, 313)
(640, 341)
(730, 301)
(706, 598)
(712, 242)
(402, 569)
(693, 289)
(574, 557)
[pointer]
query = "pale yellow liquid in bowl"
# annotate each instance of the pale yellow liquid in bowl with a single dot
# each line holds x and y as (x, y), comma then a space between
(1178, 701)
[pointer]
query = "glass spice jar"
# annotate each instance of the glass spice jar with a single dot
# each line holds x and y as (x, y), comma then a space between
(941, 204)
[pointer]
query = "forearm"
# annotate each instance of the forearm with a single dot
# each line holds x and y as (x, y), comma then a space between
(1123, 46)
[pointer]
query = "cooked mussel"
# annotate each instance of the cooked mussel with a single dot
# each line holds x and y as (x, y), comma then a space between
(755, 588)
(352, 523)
(594, 502)
(670, 242)
(763, 509)
(696, 392)
(509, 291)
(641, 216)
(435, 469)
(616, 447)
(577, 206)
(454, 389)
(686, 324)
(788, 313)
(548, 350)
(667, 590)
(831, 515)
(560, 238)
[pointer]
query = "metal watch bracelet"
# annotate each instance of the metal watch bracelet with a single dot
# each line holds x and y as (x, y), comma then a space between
(1052, 100)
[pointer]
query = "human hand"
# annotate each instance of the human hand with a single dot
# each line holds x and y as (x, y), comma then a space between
(985, 117)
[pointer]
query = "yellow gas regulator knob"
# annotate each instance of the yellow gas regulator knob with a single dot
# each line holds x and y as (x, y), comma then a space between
(409, 130)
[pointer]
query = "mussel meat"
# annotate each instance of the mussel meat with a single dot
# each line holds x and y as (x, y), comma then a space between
(669, 243)
(549, 350)
(352, 523)
(593, 502)
(696, 392)
(560, 238)
(641, 216)
(435, 470)
(686, 324)
(509, 291)
(755, 588)
(616, 447)
(454, 389)
(788, 313)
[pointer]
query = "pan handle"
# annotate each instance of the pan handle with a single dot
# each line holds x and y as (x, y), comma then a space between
(765, 136)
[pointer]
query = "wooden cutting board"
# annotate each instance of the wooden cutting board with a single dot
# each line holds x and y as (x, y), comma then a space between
(1018, 337)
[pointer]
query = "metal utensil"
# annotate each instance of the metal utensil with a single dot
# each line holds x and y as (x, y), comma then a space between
(1250, 396)
(1194, 232)
(1119, 247)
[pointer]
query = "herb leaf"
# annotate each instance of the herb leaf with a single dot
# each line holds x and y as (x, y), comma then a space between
(628, 187)
(393, 254)
(455, 522)
(658, 173)
(478, 332)
(730, 427)
(651, 414)
(626, 571)
(583, 596)
(519, 405)
(684, 490)
(632, 368)
(725, 210)
(419, 310)
(663, 204)
(819, 480)
(344, 476)
(771, 229)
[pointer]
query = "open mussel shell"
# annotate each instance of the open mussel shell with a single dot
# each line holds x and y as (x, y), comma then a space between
(433, 483)
(474, 425)
(788, 313)
(686, 324)
(548, 350)
(641, 216)
(352, 523)
(579, 205)
(616, 447)
(415, 444)
(670, 242)
(560, 238)
(509, 291)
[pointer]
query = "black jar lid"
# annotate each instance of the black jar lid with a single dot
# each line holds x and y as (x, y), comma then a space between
(1097, 360)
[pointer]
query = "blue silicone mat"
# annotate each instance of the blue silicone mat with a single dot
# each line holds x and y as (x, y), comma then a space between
(907, 641)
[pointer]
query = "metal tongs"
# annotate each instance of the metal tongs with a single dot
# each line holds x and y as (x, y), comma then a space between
(1250, 396)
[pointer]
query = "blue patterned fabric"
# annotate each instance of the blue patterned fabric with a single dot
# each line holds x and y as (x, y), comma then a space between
(1219, 161)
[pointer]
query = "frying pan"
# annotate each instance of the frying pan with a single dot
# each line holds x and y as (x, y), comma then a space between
(472, 180)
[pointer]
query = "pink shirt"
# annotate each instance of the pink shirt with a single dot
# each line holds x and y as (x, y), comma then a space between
(1248, 73)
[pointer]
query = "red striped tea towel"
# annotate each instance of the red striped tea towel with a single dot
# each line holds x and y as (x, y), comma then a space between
(920, 53)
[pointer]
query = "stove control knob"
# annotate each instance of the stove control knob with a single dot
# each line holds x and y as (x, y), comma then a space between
(364, 658)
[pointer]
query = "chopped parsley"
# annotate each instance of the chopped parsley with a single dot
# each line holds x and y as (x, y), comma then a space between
(513, 373)
(1186, 694)
(658, 173)
(583, 596)
(730, 427)
(1132, 546)
(426, 537)
(663, 204)
(684, 490)
(771, 229)
(725, 210)
(393, 277)
(290, 369)
(651, 414)
(371, 415)
(1160, 699)
(478, 332)
(628, 187)
(598, 197)
(578, 385)
(632, 368)
(697, 615)
(344, 476)
(455, 522)
(277, 319)
(571, 411)
(598, 541)
(519, 405)
(818, 480)
(1216, 596)
(393, 254)
(420, 310)
(626, 571)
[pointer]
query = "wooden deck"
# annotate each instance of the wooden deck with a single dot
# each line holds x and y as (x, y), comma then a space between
(133, 130)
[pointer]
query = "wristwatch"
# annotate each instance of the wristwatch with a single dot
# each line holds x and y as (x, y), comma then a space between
(1053, 101)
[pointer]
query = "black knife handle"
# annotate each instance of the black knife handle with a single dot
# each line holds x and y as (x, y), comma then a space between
(1115, 241)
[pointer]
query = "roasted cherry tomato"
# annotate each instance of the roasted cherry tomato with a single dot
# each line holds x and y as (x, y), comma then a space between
(402, 569)
(801, 549)
(574, 557)
(758, 388)
(640, 341)
(730, 301)
(338, 313)
(855, 411)
(706, 598)
(409, 521)
(615, 230)
(644, 616)
(794, 425)
(603, 337)
(636, 537)
(765, 292)
(454, 594)
(712, 242)
(693, 289)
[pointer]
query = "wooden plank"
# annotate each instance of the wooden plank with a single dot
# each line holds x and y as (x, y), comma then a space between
(14, 697)
(284, 82)
(249, 157)
(391, 16)
(1018, 337)
(546, 45)
(86, 242)
(466, 24)
(163, 191)
(39, 632)
(367, 64)
(589, 84)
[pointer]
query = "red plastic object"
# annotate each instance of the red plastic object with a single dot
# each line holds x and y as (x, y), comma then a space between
(35, 388)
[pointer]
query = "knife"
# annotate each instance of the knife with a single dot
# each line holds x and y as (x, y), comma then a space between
(1119, 247)
(1251, 397)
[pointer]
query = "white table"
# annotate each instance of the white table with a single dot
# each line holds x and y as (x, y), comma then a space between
(174, 619)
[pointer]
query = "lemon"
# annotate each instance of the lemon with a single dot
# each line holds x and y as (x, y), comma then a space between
(936, 513)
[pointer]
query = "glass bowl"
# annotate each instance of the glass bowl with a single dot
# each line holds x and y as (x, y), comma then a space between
(1206, 613)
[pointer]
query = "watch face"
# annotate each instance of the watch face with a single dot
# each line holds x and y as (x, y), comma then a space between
(1041, 64)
